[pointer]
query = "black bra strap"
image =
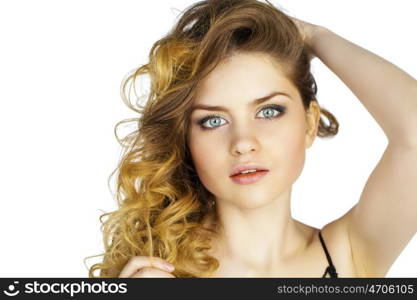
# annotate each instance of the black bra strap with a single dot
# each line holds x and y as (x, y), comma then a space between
(330, 269)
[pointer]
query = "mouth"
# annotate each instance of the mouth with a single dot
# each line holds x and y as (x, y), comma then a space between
(251, 177)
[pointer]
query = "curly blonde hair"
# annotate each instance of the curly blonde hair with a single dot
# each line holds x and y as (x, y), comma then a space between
(163, 208)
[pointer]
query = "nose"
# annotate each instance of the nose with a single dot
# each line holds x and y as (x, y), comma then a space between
(243, 144)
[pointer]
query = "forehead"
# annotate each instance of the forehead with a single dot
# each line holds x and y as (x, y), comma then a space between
(243, 75)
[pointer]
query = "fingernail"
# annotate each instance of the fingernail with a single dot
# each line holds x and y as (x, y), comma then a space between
(169, 266)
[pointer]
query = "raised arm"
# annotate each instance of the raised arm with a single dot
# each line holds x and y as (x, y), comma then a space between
(386, 91)
(384, 220)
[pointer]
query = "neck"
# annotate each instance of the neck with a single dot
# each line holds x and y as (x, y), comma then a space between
(259, 239)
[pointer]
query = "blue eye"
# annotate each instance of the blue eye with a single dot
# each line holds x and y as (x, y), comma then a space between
(271, 112)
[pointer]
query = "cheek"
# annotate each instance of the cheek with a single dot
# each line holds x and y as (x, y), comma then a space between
(209, 156)
(295, 153)
(283, 149)
(286, 137)
(290, 154)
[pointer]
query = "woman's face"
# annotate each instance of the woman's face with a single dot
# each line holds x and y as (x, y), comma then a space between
(271, 134)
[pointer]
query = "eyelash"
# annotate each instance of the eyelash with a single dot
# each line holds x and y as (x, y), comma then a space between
(279, 108)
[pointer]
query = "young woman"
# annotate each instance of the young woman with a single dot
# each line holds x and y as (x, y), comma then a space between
(205, 183)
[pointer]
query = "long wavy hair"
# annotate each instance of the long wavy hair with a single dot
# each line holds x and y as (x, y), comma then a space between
(163, 208)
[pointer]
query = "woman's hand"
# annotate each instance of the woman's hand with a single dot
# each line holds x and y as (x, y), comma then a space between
(308, 32)
(145, 266)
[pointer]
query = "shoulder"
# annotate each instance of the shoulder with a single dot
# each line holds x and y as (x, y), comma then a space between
(348, 261)
(336, 237)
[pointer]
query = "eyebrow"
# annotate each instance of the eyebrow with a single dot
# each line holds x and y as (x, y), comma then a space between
(254, 102)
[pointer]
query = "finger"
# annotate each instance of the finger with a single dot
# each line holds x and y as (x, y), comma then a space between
(148, 272)
(137, 262)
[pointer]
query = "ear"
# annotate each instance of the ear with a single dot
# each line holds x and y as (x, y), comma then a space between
(312, 123)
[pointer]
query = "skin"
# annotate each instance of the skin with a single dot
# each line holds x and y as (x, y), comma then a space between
(254, 241)
(257, 233)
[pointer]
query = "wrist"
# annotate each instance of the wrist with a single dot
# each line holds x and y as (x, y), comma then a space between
(314, 36)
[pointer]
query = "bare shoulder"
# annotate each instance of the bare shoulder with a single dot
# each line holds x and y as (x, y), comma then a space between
(336, 237)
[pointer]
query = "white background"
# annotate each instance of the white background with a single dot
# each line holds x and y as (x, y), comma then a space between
(61, 65)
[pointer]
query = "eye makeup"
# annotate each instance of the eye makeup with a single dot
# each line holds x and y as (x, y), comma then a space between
(275, 107)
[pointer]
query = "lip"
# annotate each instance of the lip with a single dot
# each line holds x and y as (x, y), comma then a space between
(249, 178)
(240, 168)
